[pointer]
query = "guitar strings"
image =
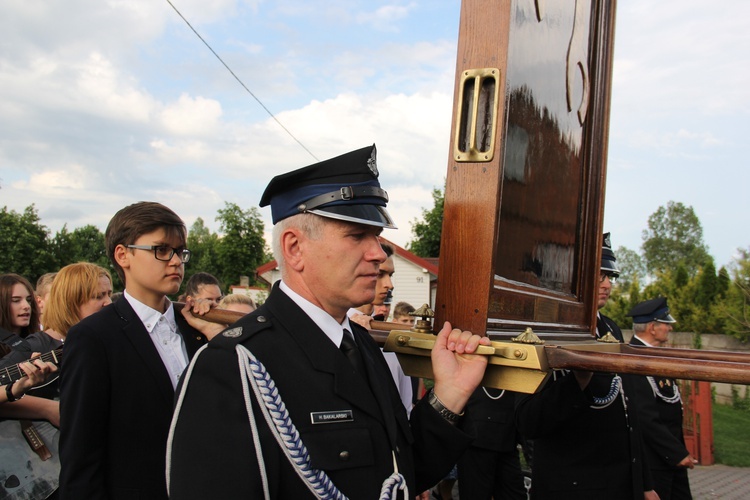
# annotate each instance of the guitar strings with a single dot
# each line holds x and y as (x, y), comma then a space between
(15, 372)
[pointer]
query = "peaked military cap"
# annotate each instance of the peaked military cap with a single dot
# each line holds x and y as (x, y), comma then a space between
(345, 187)
(609, 265)
(652, 310)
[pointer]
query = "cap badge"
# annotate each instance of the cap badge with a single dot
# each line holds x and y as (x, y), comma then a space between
(372, 162)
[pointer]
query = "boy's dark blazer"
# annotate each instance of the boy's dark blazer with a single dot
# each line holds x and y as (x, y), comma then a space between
(116, 404)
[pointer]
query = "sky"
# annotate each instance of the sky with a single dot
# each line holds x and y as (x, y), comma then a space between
(107, 102)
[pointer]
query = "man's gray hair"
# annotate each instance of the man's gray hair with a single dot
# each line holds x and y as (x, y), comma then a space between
(310, 224)
(639, 327)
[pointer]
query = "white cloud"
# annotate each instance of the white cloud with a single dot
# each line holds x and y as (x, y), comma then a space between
(386, 17)
(191, 116)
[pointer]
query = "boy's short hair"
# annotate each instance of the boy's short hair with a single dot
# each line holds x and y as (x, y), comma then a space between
(198, 280)
(135, 220)
(402, 309)
(44, 283)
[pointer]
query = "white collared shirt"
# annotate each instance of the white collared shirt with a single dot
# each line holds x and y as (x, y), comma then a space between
(332, 328)
(163, 331)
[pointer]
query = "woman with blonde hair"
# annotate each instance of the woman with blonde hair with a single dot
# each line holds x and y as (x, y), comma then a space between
(79, 290)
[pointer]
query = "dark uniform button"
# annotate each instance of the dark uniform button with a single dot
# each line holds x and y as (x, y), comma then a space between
(344, 456)
(398, 450)
(261, 319)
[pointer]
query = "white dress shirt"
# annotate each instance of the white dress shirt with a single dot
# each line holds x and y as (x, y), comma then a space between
(162, 328)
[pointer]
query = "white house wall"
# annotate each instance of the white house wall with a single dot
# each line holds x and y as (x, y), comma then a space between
(411, 283)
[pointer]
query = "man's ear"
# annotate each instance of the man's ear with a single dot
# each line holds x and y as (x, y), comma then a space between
(292, 246)
(122, 256)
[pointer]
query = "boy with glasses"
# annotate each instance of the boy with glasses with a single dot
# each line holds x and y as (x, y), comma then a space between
(123, 363)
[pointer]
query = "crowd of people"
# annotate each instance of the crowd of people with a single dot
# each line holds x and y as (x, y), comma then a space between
(295, 400)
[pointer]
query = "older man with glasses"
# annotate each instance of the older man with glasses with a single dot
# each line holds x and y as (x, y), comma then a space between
(586, 436)
(608, 274)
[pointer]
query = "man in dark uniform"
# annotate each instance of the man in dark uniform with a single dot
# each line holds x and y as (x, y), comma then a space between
(341, 426)
(491, 467)
(660, 406)
(608, 274)
(587, 443)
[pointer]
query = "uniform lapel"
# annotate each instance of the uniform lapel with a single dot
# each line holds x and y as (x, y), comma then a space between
(379, 380)
(322, 354)
(636, 341)
(138, 336)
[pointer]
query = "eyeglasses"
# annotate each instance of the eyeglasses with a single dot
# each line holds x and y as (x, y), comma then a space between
(612, 277)
(165, 252)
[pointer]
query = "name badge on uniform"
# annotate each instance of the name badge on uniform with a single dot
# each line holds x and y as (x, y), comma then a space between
(331, 417)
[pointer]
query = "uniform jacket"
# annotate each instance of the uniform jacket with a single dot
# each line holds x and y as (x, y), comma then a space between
(116, 402)
(213, 453)
(605, 324)
(661, 421)
(581, 452)
(492, 419)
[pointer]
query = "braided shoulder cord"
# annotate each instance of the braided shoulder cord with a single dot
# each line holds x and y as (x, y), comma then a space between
(614, 389)
(674, 398)
(287, 436)
(393, 484)
(277, 418)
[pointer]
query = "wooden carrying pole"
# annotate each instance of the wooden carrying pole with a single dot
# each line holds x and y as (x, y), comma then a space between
(713, 366)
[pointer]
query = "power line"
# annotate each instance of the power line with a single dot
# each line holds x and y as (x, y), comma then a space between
(240, 81)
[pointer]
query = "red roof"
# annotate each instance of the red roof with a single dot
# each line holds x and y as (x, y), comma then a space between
(268, 266)
(420, 261)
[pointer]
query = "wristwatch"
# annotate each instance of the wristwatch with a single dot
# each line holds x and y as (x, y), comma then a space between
(451, 417)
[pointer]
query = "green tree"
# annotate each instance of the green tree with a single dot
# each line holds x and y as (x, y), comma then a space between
(631, 266)
(674, 236)
(25, 243)
(63, 248)
(621, 301)
(427, 232)
(83, 244)
(203, 245)
(736, 306)
(241, 249)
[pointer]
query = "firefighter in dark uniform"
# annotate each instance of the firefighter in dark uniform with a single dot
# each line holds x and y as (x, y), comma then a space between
(491, 467)
(660, 407)
(587, 443)
(293, 400)
(608, 274)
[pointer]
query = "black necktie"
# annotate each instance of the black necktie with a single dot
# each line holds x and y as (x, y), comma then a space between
(350, 350)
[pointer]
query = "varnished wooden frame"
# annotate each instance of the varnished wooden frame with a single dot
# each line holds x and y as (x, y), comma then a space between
(469, 294)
